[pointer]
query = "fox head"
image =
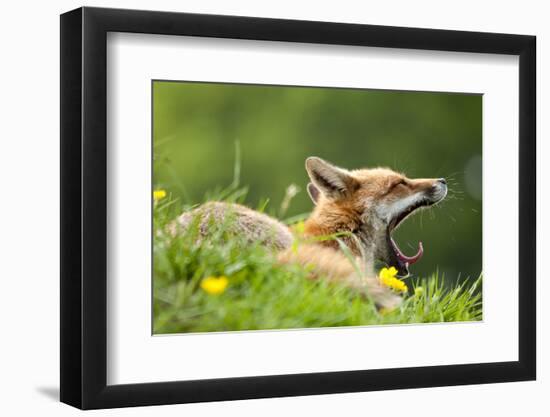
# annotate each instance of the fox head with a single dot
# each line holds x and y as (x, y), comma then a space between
(370, 204)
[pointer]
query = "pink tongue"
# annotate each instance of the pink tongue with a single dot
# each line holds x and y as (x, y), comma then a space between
(408, 259)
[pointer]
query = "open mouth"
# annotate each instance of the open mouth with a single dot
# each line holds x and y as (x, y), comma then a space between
(396, 256)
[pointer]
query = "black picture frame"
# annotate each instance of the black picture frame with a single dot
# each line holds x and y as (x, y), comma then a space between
(84, 207)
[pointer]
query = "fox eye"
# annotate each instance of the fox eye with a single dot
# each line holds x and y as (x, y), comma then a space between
(400, 182)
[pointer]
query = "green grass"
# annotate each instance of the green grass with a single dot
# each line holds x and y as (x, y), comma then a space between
(265, 295)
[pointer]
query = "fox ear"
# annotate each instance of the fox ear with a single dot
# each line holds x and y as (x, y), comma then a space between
(332, 181)
(313, 192)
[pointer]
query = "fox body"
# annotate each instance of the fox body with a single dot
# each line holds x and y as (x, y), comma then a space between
(362, 206)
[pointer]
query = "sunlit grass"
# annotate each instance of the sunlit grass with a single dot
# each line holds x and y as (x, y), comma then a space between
(224, 284)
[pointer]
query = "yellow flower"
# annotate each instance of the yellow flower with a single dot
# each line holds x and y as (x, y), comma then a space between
(388, 273)
(388, 278)
(418, 291)
(214, 285)
(159, 195)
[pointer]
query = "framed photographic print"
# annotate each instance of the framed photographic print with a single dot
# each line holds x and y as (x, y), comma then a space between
(258, 207)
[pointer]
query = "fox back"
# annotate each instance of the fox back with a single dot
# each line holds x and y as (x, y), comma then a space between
(238, 220)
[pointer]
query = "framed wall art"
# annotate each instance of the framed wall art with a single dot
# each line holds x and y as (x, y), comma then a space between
(256, 208)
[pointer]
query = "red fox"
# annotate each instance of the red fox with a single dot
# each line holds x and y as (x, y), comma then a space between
(362, 206)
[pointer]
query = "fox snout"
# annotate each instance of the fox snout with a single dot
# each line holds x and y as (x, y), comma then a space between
(438, 190)
(431, 190)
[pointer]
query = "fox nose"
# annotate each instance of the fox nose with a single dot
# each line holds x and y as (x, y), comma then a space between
(442, 181)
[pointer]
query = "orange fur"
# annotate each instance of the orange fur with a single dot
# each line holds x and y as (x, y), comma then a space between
(346, 214)
(331, 264)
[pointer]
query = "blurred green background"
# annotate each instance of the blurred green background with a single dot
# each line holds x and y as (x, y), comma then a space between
(422, 134)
